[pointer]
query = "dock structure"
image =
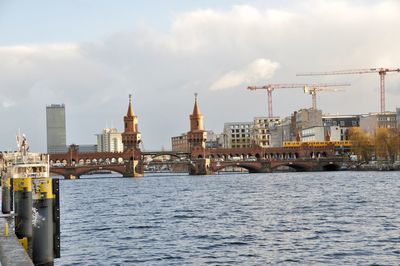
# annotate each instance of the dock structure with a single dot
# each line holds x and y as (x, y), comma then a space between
(30, 202)
(11, 251)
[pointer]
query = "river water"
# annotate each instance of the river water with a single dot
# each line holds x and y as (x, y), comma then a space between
(333, 218)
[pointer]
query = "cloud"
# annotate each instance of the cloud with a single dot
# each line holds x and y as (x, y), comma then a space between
(202, 49)
(257, 71)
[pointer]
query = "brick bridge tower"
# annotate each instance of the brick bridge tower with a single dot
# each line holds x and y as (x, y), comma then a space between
(197, 137)
(131, 138)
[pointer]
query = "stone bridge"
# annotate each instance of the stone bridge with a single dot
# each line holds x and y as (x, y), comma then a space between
(261, 160)
(73, 164)
(268, 166)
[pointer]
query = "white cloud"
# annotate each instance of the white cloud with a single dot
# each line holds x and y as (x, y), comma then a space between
(257, 71)
(203, 49)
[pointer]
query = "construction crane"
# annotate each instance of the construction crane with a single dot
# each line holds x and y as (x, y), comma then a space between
(271, 87)
(381, 71)
(313, 92)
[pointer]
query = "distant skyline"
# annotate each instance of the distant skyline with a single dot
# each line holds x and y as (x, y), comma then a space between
(90, 55)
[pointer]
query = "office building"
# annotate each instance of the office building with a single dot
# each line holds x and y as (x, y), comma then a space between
(237, 134)
(56, 129)
(372, 121)
(109, 140)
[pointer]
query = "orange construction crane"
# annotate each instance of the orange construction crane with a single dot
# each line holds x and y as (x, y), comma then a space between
(271, 87)
(381, 71)
(313, 92)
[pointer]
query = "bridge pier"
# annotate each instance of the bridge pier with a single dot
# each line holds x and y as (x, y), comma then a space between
(71, 173)
(201, 167)
(72, 176)
(134, 169)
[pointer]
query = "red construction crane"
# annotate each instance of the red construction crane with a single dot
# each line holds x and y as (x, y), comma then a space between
(313, 92)
(381, 71)
(272, 87)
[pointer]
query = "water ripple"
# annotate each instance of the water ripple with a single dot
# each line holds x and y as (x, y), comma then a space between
(330, 218)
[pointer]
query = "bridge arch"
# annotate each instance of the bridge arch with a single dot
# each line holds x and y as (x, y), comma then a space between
(249, 167)
(153, 156)
(294, 166)
(112, 169)
(331, 167)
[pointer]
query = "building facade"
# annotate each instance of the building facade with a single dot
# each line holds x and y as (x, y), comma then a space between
(372, 121)
(261, 130)
(332, 133)
(237, 135)
(56, 128)
(87, 147)
(180, 143)
(282, 132)
(214, 140)
(109, 140)
(345, 122)
(306, 118)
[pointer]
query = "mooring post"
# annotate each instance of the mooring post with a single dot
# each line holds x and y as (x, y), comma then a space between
(5, 194)
(23, 209)
(43, 222)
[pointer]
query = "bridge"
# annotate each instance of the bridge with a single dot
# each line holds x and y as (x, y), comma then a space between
(269, 166)
(255, 159)
(198, 160)
(73, 163)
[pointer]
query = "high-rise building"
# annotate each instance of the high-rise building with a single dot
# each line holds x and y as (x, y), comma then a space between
(55, 124)
(109, 140)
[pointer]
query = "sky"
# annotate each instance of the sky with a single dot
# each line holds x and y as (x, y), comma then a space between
(90, 55)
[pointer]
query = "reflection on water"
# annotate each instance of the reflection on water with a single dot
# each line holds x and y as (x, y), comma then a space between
(253, 219)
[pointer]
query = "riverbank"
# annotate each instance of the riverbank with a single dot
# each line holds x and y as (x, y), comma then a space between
(11, 251)
(378, 166)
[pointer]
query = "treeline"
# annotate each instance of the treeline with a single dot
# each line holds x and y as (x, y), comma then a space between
(382, 145)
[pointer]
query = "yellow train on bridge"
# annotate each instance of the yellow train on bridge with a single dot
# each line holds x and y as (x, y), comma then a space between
(340, 144)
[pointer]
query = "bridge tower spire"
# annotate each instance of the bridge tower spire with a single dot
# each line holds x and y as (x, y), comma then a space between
(131, 136)
(197, 136)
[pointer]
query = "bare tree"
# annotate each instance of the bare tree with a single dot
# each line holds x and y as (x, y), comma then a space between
(361, 144)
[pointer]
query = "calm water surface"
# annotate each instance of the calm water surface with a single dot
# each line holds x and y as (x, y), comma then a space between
(334, 218)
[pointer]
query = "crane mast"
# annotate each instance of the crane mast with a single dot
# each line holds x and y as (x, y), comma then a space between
(313, 92)
(381, 71)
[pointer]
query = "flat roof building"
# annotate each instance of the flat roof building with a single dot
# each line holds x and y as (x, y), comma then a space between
(372, 121)
(56, 129)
